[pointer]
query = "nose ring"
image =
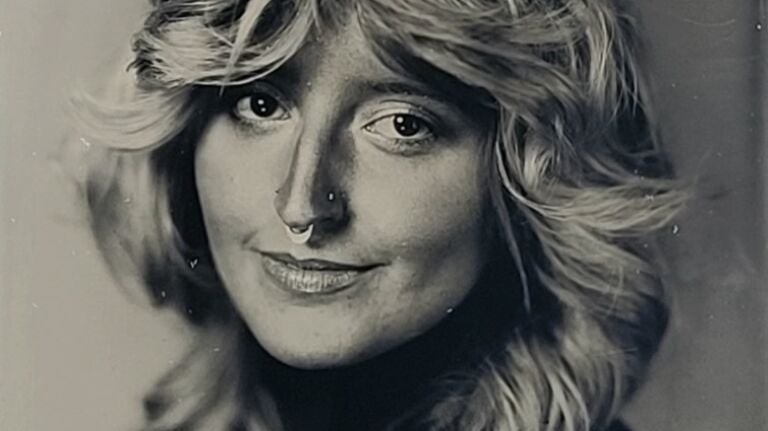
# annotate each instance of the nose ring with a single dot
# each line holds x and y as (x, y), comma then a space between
(302, 235)
(299, 235)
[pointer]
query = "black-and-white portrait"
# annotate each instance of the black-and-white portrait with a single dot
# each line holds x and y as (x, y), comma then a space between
(383, 215)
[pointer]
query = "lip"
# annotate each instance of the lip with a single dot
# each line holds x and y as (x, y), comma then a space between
(311, 276)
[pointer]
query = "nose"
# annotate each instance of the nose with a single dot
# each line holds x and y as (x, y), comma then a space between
(310, 193)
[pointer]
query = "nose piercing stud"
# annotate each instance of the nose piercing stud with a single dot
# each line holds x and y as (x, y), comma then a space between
(299, 235)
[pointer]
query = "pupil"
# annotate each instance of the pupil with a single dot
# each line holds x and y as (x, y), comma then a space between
(407, 125)
(263, 105)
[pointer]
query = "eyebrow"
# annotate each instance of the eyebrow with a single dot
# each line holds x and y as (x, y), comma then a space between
(404, 88)
(290, 73)
(444, 91)
(453, 96)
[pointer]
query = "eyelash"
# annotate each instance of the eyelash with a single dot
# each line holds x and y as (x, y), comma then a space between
(242, 103)
(405, 145)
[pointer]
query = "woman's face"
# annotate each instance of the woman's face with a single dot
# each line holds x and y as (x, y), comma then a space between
(388, 173)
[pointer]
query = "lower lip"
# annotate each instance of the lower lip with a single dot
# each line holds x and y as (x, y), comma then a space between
(305, 281)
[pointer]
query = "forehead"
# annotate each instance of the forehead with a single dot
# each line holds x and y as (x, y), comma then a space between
(343, 52)
(338, 51)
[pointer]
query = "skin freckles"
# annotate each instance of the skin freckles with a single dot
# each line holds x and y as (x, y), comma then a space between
(407, 171)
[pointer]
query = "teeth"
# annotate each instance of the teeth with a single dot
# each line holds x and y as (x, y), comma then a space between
(308, 281)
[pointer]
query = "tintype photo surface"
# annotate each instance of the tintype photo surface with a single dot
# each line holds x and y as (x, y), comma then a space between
(376, 215)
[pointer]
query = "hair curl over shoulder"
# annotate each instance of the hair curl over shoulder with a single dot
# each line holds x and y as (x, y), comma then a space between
(578, 183)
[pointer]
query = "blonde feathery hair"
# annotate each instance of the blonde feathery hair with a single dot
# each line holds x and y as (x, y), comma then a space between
(578, 182)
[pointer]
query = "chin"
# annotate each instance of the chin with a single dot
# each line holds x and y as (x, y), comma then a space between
(314, 359)
(304, 348)
(321, 337)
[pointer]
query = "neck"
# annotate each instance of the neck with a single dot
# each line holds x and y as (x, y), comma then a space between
(373, 394)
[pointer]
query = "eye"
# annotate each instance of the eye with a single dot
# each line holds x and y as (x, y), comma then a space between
(259, 106)
(401, 127)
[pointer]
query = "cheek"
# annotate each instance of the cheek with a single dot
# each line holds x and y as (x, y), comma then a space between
(428, 212)
(429, 219)
(233, 184)
(431, 224)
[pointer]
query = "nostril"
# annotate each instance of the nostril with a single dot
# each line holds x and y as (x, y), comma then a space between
(309, 194)
(294, 211)
(314, 218)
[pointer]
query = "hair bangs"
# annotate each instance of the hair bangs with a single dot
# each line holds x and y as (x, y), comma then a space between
(228, 45)
(482, 44)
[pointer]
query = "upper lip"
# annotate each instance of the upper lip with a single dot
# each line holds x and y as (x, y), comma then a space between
(316, 264)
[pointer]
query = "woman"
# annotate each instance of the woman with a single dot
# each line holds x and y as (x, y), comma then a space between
(388, 214)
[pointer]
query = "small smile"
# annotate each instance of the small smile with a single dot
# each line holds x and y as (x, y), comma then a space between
(311, 276)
